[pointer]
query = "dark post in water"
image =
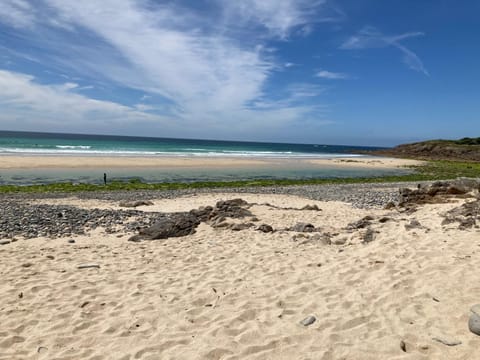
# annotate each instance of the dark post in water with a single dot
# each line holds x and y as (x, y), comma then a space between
(105, 178)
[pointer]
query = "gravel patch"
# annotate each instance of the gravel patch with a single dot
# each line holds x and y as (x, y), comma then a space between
(19, 218)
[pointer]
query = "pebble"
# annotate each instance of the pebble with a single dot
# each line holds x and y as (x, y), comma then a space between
(474, 320)
(88, 266)
(71, 241)
(5, 242)
(309, 320)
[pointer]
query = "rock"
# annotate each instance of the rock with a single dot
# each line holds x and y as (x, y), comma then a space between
(369, 236)
(340, 241)
(265, 228)
(71, 241)
(311, 207)
(390, 205)
(324, 239)
(242, 226)
(309, 320)
(230, 208)
(88, 266)
(414, 224)
(438, 192)
(384, 219)
(403, 346)
(27, 265)
(360, 224)
(302, 227)
(448, 342)
(5, 242)
(50, 257)
(176, 225)
(134, 204)
(474, 320)
(466, 215)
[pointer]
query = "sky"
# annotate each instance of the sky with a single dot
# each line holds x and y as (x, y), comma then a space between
(352, 72)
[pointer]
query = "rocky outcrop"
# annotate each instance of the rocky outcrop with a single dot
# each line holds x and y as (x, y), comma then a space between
(466, 215)
(439, 192)
(174, 225)
(183, 224)
(435, 150)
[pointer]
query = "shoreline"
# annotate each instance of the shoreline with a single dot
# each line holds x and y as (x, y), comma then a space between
(12, 162)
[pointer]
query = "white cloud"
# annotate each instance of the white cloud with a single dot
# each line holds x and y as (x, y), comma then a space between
(210, 78)
(331, 75)
(17, 13)
(279, 17)
(369, 37)
(26, 101)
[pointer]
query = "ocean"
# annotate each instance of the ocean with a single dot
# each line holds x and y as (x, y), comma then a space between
(30, 143)
(282, 161)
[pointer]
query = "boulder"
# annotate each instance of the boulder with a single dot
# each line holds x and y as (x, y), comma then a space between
(175, 225)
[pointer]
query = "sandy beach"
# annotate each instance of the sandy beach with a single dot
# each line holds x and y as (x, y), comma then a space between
(72, 162)
(224, 294)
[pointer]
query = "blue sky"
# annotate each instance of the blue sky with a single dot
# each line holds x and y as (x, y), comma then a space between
(360, 72)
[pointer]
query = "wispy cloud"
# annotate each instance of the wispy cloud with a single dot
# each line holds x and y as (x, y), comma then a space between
(24, 101)
(18, 13)
(370, 37)
(325, 74)
(208, 76)
(279, 17)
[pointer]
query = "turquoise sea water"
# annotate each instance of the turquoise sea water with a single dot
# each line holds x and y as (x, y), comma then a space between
(278, 161)
(73, 144)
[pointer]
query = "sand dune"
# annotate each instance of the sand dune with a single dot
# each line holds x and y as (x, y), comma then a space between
(219, 294)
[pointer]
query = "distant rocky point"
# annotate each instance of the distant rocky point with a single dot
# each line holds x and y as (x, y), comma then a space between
(466, 149)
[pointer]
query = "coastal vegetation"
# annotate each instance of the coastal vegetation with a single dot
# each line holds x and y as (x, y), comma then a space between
(431, 170)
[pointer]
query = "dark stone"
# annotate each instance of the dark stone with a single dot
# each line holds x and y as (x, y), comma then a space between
(311, 207)
(265, 228)
(369, 236)
(309, 320)
(466, 215)
(175, 225)
(390, 205)
(303, 227)
(438, 192)
(360, 224)
(135, 203)
(230, 208)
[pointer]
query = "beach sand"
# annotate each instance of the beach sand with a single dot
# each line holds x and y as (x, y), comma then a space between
(220, 294)
(89, 162)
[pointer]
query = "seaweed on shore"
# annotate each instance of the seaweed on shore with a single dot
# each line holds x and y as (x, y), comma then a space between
(432, 170)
